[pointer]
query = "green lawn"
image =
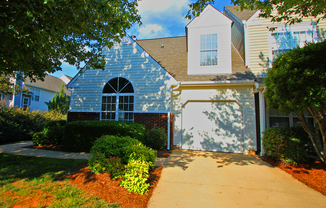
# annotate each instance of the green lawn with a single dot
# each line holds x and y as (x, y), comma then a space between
(23, 178)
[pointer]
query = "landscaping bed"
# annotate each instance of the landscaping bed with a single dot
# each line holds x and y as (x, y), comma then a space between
(311, 173)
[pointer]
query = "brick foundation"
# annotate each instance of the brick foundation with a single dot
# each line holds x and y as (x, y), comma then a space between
(83, 116)
(149, 120)
(155, 120)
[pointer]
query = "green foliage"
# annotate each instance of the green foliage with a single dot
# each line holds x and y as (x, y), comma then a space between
(38, 35)
(60, 102)
(17, 124)
(135, 176)
(81, 135)
(156, 138)
(51, 134)
(123, 157)
(296, 83)
(285, 144)
(288, 11)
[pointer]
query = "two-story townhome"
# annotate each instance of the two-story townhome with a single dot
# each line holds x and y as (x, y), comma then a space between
(259, 41)
(36, 94)
(196, 87)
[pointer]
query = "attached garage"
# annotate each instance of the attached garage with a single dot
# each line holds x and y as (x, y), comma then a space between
(213, 125)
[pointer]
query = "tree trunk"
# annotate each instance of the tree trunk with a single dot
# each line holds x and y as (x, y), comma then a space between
(314, 137)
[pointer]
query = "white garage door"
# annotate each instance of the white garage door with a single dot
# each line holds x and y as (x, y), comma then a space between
(212, 126)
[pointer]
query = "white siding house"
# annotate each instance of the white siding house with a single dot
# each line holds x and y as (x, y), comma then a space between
(196, 87)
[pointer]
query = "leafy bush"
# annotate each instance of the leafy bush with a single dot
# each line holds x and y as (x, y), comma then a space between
(285, 144)
(135, 176)
(123, 157)
(51, 134)
(80, 135)
(156, 138)
(17, 124)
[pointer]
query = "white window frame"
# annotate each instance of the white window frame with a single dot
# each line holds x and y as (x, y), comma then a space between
(119, 113)
(27, 104)
(204, 49)
(36, 95)
(292, 30)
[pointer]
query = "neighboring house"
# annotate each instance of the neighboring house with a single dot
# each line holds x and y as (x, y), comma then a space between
(259, 41)
(37, 94)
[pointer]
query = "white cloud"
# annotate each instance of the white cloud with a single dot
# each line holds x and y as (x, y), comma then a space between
(152, 31)
(160, 18)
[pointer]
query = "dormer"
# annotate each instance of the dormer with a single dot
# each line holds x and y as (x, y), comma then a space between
(209, 43)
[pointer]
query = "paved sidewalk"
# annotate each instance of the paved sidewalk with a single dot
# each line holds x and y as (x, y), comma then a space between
(221, 180)
(21, 149)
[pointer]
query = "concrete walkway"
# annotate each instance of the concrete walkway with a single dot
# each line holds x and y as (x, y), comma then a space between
(21, 149)
(203, 179)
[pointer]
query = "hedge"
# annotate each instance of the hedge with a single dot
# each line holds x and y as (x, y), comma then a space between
(286, 144)
(52, 134)
(81, 135)
(17, 124)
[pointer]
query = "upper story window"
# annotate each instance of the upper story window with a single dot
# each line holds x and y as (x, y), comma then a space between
(36, 95)
(286, 38)
(208, 50)
(118, 100)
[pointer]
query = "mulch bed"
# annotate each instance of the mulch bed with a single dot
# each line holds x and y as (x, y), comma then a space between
(312, 173)
(101, 185)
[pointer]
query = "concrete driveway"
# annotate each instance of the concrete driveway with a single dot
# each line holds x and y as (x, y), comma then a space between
(206, 179)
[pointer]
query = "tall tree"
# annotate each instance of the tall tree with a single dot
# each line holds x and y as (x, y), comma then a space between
(60, 101)
(297, 83)
(37, 35)
(291, 11)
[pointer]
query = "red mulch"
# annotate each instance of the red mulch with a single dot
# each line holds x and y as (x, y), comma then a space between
(312, 173)
(102, 186)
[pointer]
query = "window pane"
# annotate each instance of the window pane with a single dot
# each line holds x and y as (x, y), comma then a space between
(131, 107)
(120, 107)
(128, 89)
(104, 99)
(131, 99)
(103, 107)
(114, 83)
(279, 121)
(202, 58)
(214, 57)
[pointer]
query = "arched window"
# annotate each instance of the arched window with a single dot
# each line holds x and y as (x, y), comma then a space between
(118, 100)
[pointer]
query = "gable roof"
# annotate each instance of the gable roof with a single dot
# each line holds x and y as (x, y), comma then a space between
(241, 15)
(173, 58)
(50, 83)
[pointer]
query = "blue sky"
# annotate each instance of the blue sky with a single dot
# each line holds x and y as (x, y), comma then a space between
(160, 18)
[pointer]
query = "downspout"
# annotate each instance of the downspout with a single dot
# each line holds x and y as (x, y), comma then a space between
(169, 117)
(246, 43)
(169, 130)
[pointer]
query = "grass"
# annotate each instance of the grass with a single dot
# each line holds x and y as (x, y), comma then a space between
(42, 181)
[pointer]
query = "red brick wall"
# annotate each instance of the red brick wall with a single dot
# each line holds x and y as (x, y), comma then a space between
(82, 116)
(155, 120)
(149, 120)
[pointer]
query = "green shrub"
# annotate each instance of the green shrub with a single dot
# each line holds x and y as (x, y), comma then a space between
(52, 134)
(123, 157)
(285, 144)
(156, 138)
(113, 146)
(135, 176)
(80, 135)
(17, 124)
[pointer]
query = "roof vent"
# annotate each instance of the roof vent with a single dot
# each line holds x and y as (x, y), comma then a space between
(134, 37)
(162, 46)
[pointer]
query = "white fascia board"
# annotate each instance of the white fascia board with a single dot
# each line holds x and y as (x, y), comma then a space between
(224, 82)
(251, 22)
